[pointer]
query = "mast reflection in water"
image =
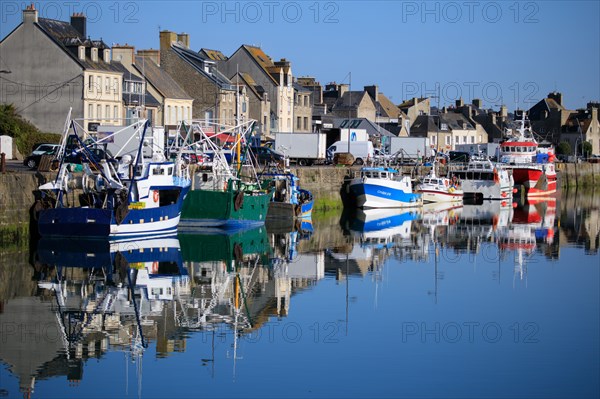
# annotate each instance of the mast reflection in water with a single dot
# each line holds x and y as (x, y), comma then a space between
(482, 298)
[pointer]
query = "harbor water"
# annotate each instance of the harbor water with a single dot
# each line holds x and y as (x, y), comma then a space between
(489, 300)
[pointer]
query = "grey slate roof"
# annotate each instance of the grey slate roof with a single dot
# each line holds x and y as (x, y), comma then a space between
(159, 79)
(350, 100)
(69, 39)
(361, 123)
(198, 62)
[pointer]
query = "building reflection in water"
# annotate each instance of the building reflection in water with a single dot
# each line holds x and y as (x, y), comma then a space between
(91, 297)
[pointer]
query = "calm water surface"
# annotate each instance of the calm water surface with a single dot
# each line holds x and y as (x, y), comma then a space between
(476, 301)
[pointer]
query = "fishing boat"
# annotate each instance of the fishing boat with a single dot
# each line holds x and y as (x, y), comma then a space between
(219, 197)
(121, 198)
(434, 188)
(289, 200)
(481, 179)
(532, 164)
(382, 187)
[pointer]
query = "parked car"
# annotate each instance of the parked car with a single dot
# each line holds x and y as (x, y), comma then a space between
(78, 157)
(265, 155)
(594, 158)
(33, 160)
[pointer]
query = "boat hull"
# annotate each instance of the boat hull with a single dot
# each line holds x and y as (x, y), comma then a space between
(206, 208)
(371, 193)
(101, 223)
(441, 196)
(286, 210)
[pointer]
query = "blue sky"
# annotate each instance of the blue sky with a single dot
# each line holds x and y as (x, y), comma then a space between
(512, 52)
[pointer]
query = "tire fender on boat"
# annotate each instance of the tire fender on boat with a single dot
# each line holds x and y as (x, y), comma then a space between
(238, 201)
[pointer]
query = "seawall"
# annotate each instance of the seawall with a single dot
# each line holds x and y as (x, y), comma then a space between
(17, 190)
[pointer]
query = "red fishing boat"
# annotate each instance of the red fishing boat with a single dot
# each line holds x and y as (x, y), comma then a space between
(532, 164)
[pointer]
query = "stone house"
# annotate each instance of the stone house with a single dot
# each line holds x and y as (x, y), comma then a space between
(174, 103)
(53, 67)
(302, 109)
(214, 95)
(275, 77)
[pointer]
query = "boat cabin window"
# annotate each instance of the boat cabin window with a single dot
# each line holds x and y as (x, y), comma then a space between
(170, 170)
(158, 171)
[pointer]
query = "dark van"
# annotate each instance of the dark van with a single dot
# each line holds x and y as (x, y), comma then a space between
(459, 156)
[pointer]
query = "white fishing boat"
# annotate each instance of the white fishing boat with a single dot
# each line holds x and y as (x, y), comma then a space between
(481, 179)
(380, 187)
(434, 188)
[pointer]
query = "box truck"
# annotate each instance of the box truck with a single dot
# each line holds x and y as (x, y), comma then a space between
(302, 148)
(361, 150)
(410, 147)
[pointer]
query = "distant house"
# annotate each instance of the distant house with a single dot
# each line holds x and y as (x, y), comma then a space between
(275, 77)
(415, 107)
(54, 66)
(583, 125)
(173, 103)
(355, 104)
(302, 109)
(259, 107)
(214, 95)
(448, 129)
(387, 114)
(553, 122)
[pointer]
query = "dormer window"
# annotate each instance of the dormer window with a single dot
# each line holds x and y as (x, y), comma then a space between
(81, 50)
(94, 54)
(106, 56)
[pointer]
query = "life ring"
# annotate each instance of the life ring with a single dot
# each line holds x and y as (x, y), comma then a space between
(238, 201)
(155, 196)
(154, 267)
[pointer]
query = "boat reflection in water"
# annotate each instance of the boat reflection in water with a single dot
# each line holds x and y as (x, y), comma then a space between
(532, 227)
(108, 294)
(373, 236)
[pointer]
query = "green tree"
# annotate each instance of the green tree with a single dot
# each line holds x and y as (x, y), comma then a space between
(24, 133)
(564, 148)
(585, 149)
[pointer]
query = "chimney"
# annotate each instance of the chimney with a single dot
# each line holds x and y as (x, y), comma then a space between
(123, 54)
(477, 103)
(78, 21)
(373, 91)
(81, 52)
(459, 103)
(184, 39)
(504, 111)
(152, 55)
(30, 14)
(166, 39)
(556, 96)
(342, 88)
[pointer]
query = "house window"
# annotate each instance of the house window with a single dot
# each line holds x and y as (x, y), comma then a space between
(298, 123)
(288, 124)
(433, 139)
(90, 111)
(456, 139)
(116, 86)
(116, 112)
(447, 140)
(107, 85)
(306, 101)
(107, 111)
(91, 82)
(472, 139)
(99, 111)
(305, 123)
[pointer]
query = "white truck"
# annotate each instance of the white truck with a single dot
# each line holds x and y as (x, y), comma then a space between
(491, 150)
(361, 150)
(410, 148)
(302, 148)
(124, 143)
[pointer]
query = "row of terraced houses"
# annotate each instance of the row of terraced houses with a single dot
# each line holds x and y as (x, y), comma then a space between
(48, 66)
